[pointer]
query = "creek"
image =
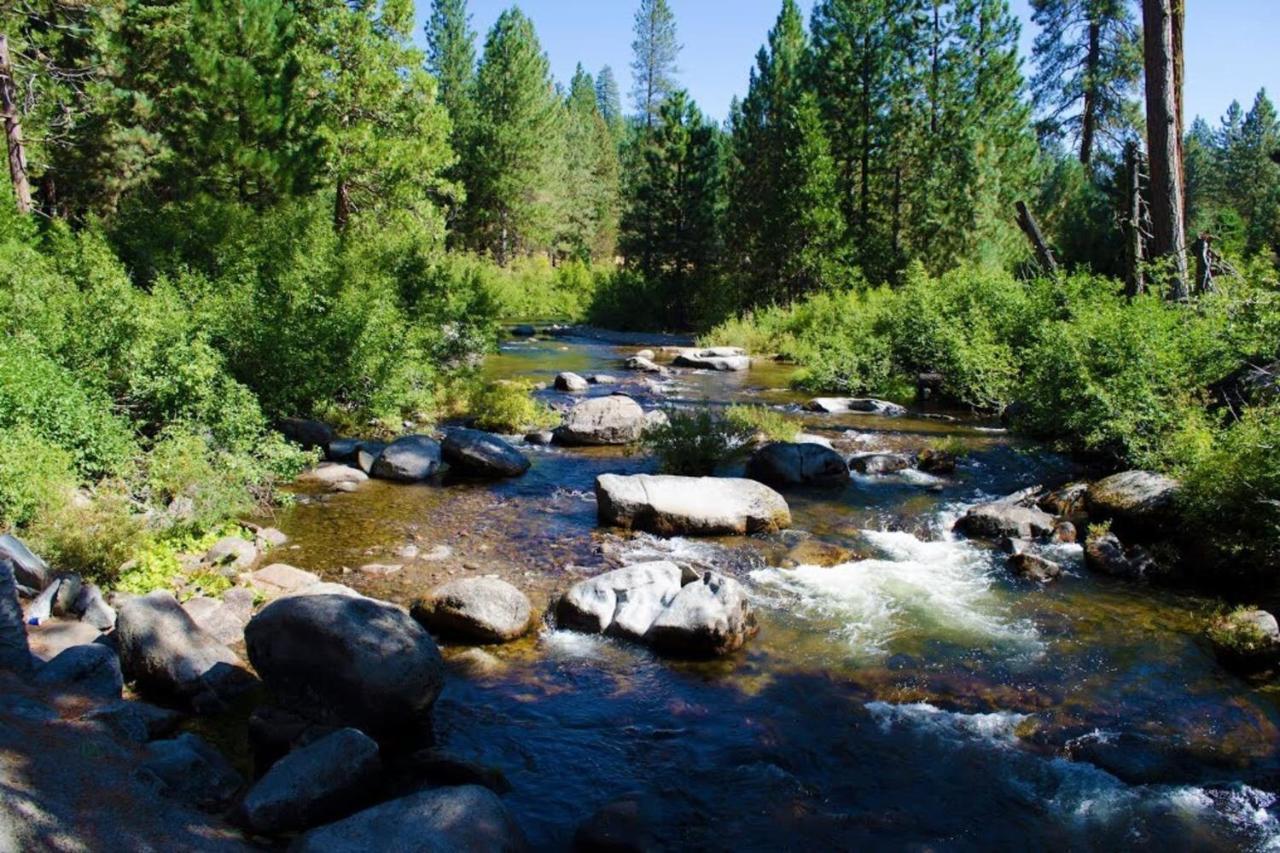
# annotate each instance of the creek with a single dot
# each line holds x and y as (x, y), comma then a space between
(915, 696)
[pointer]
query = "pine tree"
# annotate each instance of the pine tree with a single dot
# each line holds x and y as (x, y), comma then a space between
(670, 227)
(451, 58)
(609, 101)
(581, 208)
(1088, 58)
(654, 66)
(513, 149)
(387, 137)
(783, 215)
(1252, 177)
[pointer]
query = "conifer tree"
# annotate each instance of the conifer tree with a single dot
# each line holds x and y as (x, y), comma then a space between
(1088, 58)
(513, 147)
(451, 59)
(670, 232)
(655, 50)
(783, 213)
(609, 101)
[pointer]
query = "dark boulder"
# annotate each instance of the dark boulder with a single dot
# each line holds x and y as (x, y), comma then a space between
(367, 454)
(343, 660)
(1138, 503)
(804, 464)
(1034, 568)
(880, 463)
(1002, 518)
(188, 769)
(410, 459)
(312, 435)
(92, 670)
(28, 570)
(482, 454)
(15, 655)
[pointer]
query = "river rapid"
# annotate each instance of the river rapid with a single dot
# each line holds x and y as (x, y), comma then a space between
(916, 696)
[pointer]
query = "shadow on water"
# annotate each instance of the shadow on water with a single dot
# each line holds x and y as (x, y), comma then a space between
(914, 697)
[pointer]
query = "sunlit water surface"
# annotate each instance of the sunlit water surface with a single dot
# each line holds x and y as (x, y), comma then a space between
(914, 697)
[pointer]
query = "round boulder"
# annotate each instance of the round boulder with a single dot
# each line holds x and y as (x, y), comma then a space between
(410, 459)
(481, 610)
(343, 660)
(693, 506)
(571, 383)
(481, 454)
(804, 464)
(613, 420)
(707, 618)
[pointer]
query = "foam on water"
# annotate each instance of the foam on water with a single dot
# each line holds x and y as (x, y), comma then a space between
(943, 589)
(999, 727)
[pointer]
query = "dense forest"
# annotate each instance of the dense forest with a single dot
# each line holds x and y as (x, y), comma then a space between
(225, 212)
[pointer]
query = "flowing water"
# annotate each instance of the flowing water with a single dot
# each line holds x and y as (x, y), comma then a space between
(914, 697)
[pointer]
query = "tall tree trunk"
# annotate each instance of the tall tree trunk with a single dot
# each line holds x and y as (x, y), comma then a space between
(1044, 255)
(1168, 237)
(341, 207)
(1089, 120)
(1135, 276)
(13, 130)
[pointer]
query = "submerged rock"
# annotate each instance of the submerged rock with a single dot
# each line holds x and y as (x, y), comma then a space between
(880, 463)
(571, 383)
(696, 506)
(815, 552)
(172, 658)
(482, 454)
(1033, 567)
(799, 464)
(328, 777)
(865, 405)
(644, 364)
(344, 660)
(410, 459)
(613, 420)
(1003, 518)
(482, 610)
(469, 818)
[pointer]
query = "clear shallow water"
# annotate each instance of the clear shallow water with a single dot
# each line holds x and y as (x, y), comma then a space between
(914, 697)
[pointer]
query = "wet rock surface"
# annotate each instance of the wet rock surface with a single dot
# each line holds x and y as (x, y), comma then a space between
(690, 506)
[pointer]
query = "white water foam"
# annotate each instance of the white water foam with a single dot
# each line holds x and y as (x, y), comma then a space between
(999, 727)
(944, 589)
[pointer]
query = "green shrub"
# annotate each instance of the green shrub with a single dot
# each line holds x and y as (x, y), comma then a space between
(762, 420)
(46, 398)
(508, 407)
(1231, 496)
(35, 477)
(695, 442)
(93, 535)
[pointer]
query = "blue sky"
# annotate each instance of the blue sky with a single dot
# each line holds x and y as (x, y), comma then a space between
(1232, 45)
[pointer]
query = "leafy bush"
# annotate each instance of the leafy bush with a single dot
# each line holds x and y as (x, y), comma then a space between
(508, 407)
(93, 535)
(35, 477)
(762, 420)
(534, 289)
(1231, 496)
(695, 442)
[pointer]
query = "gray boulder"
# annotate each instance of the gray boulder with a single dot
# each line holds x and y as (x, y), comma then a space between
(137, 722)
(172, 658)
(224, 621)
(707, 618)
(602, 379)
(1004, 518)
(1033, 567)
(313, 783)
(333, 474)
(15, 655)
(368, 453)
(571, 383)
(188, 769)
(644, 364)
(862, 405)
(92, 670)
(1107, 555)
(93, 609)
(280, 579)
(613, 420)
(624, 602)
(723, 359)
(410, 459)
(698, 506)
(1135, 501)
(469, 818)
(342, 450)
(28, 569)
(482, 454)
(310, 434)
(482, 610)
(343, 660)
(880, 463)
(232, 553)
(801, 464)
(1247, 639)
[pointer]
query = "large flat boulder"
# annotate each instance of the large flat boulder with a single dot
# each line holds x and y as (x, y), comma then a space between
(410, 459)
(709, 617)
(1004, 518)
(467, 817)
(1138, 501)
(481, 610)
(313, 783)
(624, 602)
(695, 506)
(862, 405)
(347, 661)
(799, 464)
(613, 420)
(482, 454)
(724, 359)
(172, 658)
